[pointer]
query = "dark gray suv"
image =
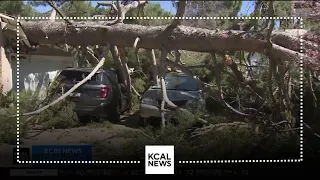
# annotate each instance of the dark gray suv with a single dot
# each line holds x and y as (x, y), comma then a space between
(102, 96)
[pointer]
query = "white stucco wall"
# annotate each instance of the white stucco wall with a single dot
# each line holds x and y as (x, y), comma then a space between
(6, 70)
(36, 73)
(6, 73)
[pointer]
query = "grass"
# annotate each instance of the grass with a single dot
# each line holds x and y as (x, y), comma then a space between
(105, 124)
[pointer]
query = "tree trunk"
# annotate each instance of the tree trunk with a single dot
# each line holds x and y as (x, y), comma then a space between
(126, 74)
(181, 37)
(119, 66)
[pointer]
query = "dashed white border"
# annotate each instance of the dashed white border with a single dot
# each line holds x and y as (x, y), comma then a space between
(300, 159)
(301, 90)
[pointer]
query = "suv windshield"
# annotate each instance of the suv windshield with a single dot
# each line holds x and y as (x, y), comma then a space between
(74, 76)
(181, 82)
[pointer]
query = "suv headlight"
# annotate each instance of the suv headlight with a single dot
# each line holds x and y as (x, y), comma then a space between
(149, 101)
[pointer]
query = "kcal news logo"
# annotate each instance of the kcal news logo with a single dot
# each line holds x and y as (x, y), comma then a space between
(159, 160)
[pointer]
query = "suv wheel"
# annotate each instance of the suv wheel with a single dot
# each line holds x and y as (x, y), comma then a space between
(142, 122)
(84, 119)
(114, 114)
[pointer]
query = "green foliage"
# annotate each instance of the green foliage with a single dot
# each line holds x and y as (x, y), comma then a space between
(242, 143)
(8, 126)
(77, 9)
(17, 8)
(236, 6)
(59, 116)
(283, 8)
(150, 10)
(139, 84)
(5, 98)
(135, 102)
(8, 123)
(212, 9)
(109, 61)
(226, 142)
(313, 26)
(72, 8)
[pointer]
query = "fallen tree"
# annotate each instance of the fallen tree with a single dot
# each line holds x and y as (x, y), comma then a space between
(279, 46)
(181, 37)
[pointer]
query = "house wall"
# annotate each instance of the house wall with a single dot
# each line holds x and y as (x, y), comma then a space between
(36, 73)
(5, 67)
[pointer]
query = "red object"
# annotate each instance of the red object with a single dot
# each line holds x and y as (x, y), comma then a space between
(228, 60)
(104, 91)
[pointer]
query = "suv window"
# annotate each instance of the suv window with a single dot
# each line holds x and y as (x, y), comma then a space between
(113, 76)
(74, 76)
(181, 82)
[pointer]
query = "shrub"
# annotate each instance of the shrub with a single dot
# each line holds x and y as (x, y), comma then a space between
(140, 85)
(60, 115)
(8, 123)
(5, 98)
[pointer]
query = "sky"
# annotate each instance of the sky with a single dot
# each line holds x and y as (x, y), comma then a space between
(247, 7)
(166, 5)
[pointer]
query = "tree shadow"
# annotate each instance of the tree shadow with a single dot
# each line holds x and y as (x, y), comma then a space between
(131, 120)
(134, 121)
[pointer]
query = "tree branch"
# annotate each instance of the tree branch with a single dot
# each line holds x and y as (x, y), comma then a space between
(311, 130)
(117, 60)
(165, 98)
(121, 9)
(111, 4)
(270, 23)
(218, 72)
(55, 8)
(179, 14)
(53, 15)
(178, 57)
(126, 71)
(155, 74)
(124, 9)
(135, 91)
(99, 65)
(180, 67)
(217, 127)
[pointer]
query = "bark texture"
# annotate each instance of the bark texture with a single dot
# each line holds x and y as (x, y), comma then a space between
(180, 37)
